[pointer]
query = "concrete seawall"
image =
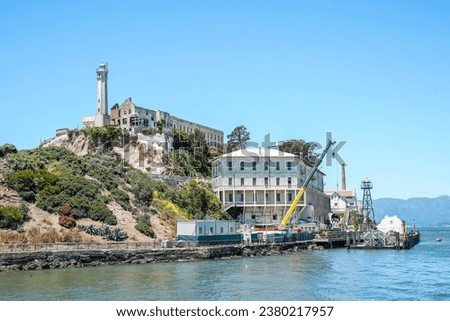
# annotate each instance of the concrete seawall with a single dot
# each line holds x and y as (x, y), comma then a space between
(85, 258)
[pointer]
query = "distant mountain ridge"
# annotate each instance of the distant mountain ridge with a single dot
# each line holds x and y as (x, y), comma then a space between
(425, 211)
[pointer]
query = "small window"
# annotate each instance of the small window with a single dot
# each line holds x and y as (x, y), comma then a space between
(289, 197)
(230, 181)
(277, 166)
(230, 197)
(211, 230)
(266, 181)
(242, 181)
(253, 217)
(200, 230)
(230, 165)
(231, 230)
(278, 197)
(254, 181)
(274, 217)
(221, 230)
(289, 166)
(254, 166)
(289, 181)
(242, 166)
(277, 181)
(266, 166)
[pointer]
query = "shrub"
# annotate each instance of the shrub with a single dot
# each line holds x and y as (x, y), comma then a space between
(149, 131)
(112, 234)
(141, 186)
(102, 135)
(65, 209)
(29, 182)
(67, 222)
(10, 216)
(146, 229)
(122, 199)
(7, 149)
(100, 212)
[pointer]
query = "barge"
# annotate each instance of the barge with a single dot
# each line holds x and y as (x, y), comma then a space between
(391, 233)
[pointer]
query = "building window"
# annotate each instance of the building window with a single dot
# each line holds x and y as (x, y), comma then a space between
(242, 181)
(231, 230)
(266, 166)
(211, 230)
(230, 197)
(254, 166)
(221, 230)
(277, 166)
(230, 165)
(277, 181)
(254, 181)
(253, 217)
(289, 166)
(289, 181)
(230, 181)
(278, 197)
(200, 230)
(289, 197)
(242, 166)
(274, 217)
(266, 181)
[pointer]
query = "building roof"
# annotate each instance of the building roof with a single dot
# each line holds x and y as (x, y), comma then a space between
(259, 152)
(342, 193)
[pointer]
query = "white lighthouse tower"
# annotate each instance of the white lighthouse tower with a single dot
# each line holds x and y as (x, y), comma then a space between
(102, 117)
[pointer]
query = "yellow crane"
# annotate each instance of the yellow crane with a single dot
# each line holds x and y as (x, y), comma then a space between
(300, 194)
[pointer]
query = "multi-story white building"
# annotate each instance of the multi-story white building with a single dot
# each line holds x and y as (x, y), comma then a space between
(258, 186)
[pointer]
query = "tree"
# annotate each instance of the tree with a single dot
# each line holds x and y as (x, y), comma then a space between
(306, 151)
(199, 201)
(238, 138)
(199, 153)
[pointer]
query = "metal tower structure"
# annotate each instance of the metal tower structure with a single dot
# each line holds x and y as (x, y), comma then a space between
(367, 206)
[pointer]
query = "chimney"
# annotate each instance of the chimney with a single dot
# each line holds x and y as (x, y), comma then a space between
(343, 185)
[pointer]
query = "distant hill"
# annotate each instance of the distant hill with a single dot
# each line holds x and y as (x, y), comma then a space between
(425, 211)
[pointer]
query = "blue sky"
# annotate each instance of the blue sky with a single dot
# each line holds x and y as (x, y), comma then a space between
(374, 73)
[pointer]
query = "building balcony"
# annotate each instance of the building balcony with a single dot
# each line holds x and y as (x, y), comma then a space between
(228, 205)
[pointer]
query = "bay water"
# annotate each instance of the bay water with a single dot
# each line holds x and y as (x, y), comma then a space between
(422, 273)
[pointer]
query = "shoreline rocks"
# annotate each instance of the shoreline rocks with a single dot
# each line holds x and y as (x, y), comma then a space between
(26, 261)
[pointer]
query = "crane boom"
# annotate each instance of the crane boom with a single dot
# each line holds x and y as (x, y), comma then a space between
(300, 194)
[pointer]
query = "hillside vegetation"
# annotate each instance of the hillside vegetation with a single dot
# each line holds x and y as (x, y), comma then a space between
(96, 190)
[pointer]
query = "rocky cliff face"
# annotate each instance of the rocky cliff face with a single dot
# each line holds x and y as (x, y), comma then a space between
(147, 153)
